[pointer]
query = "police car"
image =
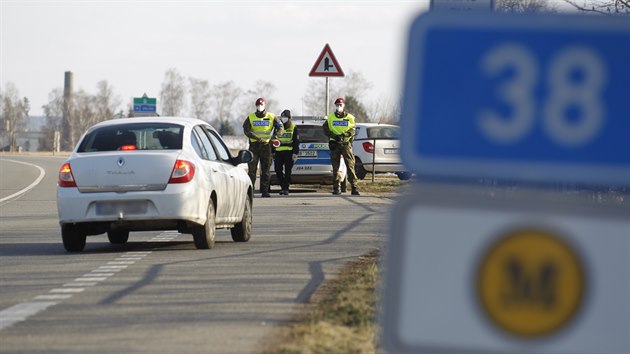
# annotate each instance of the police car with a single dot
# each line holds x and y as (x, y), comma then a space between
(313, 165)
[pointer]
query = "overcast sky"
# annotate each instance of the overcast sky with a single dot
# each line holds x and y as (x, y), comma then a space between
(131, 44)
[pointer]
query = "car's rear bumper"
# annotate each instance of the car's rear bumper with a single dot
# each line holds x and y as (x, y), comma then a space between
(176, 202)
(384, 167)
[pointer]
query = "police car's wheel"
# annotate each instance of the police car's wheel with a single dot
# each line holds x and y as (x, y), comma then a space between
(204, 235)
(358, 168)
(118, 237)
(73, 239)
(403, 176)
(242, 231)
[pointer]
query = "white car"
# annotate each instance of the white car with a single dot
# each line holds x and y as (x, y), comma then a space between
(157, 173)
(377, 148)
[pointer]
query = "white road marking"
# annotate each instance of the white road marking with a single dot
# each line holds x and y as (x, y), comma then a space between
(21, 312)
(80, 284)
(67, 290)
(53, 297)
(42, 173)
(113, 268)
(119, 262)
(91, 279)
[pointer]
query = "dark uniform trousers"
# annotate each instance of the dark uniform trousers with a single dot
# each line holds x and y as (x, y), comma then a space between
(337, 151)
(262, 153)
(282, 164)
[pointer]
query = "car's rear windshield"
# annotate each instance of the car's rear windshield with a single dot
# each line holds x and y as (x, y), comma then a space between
(134, 136)
(312, 134)
(383, 133)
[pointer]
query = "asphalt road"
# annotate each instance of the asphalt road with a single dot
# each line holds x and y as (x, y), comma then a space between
(158, 293)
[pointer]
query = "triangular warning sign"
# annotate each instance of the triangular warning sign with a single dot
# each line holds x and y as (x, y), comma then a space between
(326, 64)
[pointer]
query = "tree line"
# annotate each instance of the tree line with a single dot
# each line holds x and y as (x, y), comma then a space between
(224, 105)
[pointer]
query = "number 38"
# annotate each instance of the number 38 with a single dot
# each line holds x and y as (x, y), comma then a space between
(564, 93)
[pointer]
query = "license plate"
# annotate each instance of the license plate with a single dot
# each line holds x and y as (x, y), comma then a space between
(307, 153)
(113, 208)
(391, 151)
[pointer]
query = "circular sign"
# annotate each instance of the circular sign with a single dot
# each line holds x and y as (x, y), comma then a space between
(531, 283)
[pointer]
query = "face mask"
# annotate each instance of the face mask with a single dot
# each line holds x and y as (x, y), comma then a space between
(260, 108)
(284, 120)
(339, 108)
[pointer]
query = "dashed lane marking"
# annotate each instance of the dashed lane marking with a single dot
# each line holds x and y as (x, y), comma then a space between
(22, 311)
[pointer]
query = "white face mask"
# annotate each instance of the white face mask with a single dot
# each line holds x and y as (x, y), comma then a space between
(284, 120)
(340, 108)
(260, 108)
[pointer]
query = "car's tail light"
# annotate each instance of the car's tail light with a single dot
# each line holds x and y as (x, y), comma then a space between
(368, 147)
(66, 179)
(183, 172)
(128, 147)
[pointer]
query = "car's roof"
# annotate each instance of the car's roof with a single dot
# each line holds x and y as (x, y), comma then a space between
(308, 120)
(185, 121)
(368, 125)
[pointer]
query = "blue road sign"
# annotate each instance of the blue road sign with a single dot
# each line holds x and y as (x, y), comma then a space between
(534, 98)
(144, 108)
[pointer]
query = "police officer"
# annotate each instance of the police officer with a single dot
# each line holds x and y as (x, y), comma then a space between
(286, 153)
(262, 128)
(339, 127)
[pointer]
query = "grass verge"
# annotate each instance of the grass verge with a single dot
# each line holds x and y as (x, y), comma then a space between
(341, 316)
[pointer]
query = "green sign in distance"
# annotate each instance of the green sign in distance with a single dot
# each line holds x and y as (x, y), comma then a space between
(144, 100)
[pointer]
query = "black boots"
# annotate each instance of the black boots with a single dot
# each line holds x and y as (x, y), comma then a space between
(336, 191)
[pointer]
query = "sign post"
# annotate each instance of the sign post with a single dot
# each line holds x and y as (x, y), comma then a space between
(326, 65)
(524, 101)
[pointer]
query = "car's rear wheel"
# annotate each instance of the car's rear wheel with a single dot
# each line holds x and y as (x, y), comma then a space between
(118, 237)
(358, 168)
(73, 239)
(204, 235)
(242, 231)
(403, 176)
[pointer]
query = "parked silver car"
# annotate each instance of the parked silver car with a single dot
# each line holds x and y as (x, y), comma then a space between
(158, 173)
(377, 148)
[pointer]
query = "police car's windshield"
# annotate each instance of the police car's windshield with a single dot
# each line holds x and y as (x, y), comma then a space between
(312, 134)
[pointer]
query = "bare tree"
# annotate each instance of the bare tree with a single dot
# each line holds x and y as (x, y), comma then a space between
(223, 100)
(384, 111)
(605, 7)
(199, 98)
(524, 6)
(354, 84)
(14, 113)
(173, 93)
(106, 101)
(53, 111)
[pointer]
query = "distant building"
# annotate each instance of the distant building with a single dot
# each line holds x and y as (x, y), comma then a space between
(27, 139)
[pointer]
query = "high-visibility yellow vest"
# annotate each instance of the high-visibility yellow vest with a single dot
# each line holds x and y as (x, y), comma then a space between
(262, 127)
(339, 126)
(286, 139)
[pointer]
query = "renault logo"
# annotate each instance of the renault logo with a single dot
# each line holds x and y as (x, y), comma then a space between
(120, 162)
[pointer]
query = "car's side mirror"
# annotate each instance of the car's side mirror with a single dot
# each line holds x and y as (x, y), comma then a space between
(244, 156)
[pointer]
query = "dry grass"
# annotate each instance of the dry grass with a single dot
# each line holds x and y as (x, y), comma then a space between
(341, 318)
